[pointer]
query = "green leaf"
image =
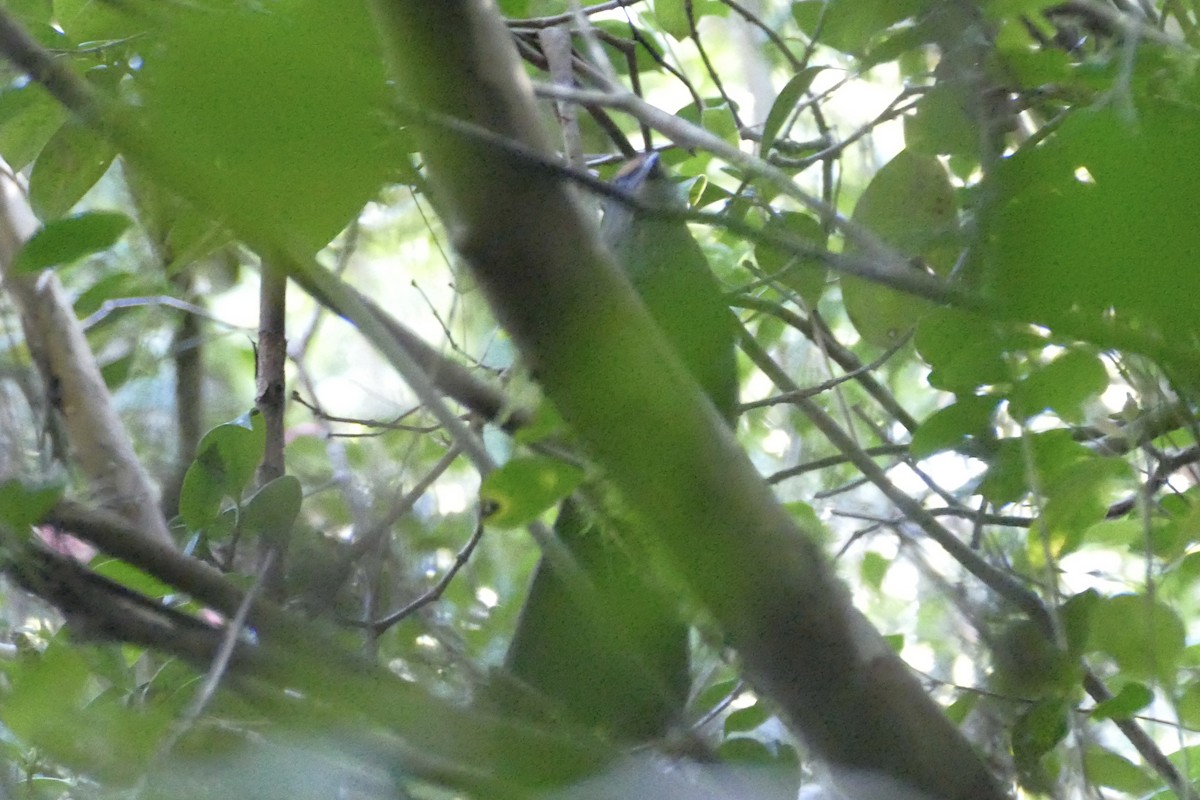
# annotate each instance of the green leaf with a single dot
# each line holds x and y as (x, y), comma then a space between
(28, 118)
(1075, 500)
(746, 719)
(525, 487)
(1093, 221)
(272, 510)
(1188, 705)
(25, 503)
(909, 205)
(672, 18)
(1061, 386)
(69, 165)
(1132, 698)
(1050, 454)
(967, 351)
(851, 25)
(714, 694)
(807, 277)
(967, 420)
(785, 103)
(1105, 768)
(941, 124)
(54, 707)
(1026, 663)
(1039, 729)
(131, 577)
(70, 239)
(744, 750)
(874, 569)
(225, 462)
(960, 708)
(1144, 636)
(291, 121)
(88, 22)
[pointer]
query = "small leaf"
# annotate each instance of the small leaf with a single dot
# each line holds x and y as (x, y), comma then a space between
(525, 487)
(874, 568)
(1039, 729)
(225, 462)
(968, 419)
(783, 106)
(1132, 698)
(746, 719)
(69, 165)
(131, 577)
(1188, 706)
(1062, 386)
(70, 239)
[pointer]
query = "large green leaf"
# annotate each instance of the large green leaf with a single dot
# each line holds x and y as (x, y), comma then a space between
(28, 118)
(281, 105)
(1143, 635)
(909, 205)
(1095, 220)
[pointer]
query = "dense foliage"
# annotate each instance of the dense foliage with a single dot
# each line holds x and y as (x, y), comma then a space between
(957, 237)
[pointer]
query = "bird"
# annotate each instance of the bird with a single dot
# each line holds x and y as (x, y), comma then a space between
(622, 667)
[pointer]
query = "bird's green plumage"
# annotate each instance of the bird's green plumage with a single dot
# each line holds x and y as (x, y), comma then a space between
(623, 668)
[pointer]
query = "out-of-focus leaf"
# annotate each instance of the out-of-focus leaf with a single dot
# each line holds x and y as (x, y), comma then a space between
(785, 103)
(70, 239)
(969, 419)
(852, 25)
(131, 577)
(746, 719)
(1034, 735)
(1188, 705)
(1106, 768)
(745, 750)
(272, 510)
(28, 118)
(1074, 225)
(1061, 386)
(1132, 698)
(874, 569)
(909, 205)
(941, 125)
(1143, 635)
(805, 276)
(68, 166)
(289, 118)
(22, 504)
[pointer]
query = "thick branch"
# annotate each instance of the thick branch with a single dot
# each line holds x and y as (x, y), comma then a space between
(578, 323)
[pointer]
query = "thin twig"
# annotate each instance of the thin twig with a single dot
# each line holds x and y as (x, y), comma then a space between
(435, 592)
